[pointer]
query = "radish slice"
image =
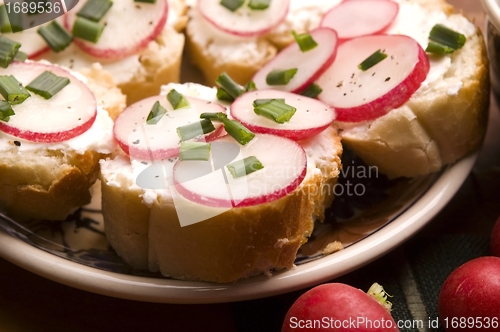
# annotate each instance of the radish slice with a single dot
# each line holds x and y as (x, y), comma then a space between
(310, 65)
(285, 166)
(129, 27)
(355, 18)
(244, 22)
(311, 118)
(69, 113)
(159, 141)
(31, 42)
(366, 95)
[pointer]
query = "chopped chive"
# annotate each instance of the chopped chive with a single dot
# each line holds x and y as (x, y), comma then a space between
(6, 111)
(195, 129)
(94, 10)
(214, 116)
(232, 5)
(259, 4)
(238, 131)
(250, 86)
(433, 47)
(447, 37)
(47, 84)
(223, 95)
(145, 1)
(232, 88)
(372, 60)
(244, 167)
(305, 41)
(56, 36)
(177, 100)
(20, 56)
(12, 91)
(87, 29)
(312, 91)
(275, 110)
(258, 102)
(194, 151)
(280, 77)
(8, 50)
(4, 20)
(156, 113)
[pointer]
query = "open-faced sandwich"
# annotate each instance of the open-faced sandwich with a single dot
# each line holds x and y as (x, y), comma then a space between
(233, 205)
(52, 135)
(139, 43)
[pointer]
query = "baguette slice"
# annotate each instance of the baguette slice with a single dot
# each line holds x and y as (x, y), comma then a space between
(142, 75)
(50, 181)
(441, 123)
(144, 229)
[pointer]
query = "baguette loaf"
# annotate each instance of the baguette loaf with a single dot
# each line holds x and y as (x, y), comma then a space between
(51, 180)
(144, 228)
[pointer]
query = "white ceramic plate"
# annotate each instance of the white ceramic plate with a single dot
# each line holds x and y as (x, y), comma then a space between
(77, 253)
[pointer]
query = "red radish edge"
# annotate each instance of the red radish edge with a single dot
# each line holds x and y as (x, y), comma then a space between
(316, 74)
(359, 113)
(159, 154)
(222, 203)
(326, 17)
(119, 53)
(163, 154)
(243, 34)
(55, 137)
(38, 53)
(293, 134)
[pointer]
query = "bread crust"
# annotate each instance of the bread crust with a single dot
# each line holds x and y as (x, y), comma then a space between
(236, 244)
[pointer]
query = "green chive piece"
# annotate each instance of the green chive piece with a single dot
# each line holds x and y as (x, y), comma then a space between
(305, 41)
(214, 116)
(259, 4)
(156, 113)
(244, 167)
(223, 95)
(438, 48)
(250, 86)
(280, 77)
(4, 20)
(258, 102)
(12, 91)
(447, 37)
(195, 129)
(47, 84)
(372, 60)
(20, 56)
(194, 151)
(177, 100)
(94, 10)
(87, 29)
(238, 131)
(275, 110)
(8, 50)
(232, 88)
(6, 111)
(145, 1)
(312, 91)
(56, 36)
(232, 5)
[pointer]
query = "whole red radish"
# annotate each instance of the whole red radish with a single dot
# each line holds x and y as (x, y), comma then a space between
(495, 239)
(340, 307)
(469, 299)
